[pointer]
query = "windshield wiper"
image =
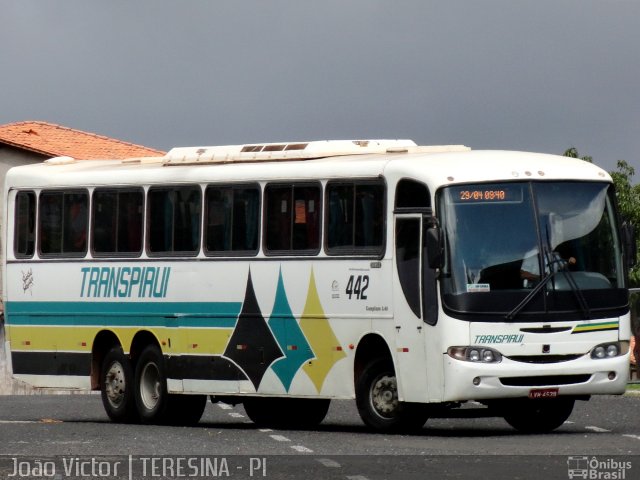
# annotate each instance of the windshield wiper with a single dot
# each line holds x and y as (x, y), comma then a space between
(582, 302)
(525, 301)
(563, 265)
(551, 262)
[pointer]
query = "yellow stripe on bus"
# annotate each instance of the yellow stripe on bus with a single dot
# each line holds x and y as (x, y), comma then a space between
(80, 339)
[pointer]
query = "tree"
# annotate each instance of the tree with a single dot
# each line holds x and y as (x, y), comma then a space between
(628, 197)
(573, 153)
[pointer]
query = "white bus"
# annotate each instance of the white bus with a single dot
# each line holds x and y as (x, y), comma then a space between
(281, 276)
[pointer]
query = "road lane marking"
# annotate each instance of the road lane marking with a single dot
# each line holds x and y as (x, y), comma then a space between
(236, 415)
(301, 449)
(637, 437)
(282, 438)
(19, 421)
(357, 477)
(42, 420)
(225, 406)
(327, 462)
(597, 429)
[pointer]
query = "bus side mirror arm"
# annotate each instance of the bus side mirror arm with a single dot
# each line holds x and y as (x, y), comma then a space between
(433, 243)
(629, 244)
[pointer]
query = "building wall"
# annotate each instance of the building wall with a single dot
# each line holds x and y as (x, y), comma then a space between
(13, 157)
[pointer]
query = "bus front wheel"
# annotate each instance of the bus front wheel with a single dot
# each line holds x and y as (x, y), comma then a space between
(116, 386)
(378, 403)
(286, 412)
(538, 416)
(185, 409)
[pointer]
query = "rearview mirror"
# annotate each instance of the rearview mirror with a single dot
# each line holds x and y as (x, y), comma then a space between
(629, 244)
(433, 242)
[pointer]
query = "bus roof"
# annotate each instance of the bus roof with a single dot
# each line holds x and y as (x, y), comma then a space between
(290, 151)
(434, 165)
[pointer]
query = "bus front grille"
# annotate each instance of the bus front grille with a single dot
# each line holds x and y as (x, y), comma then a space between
(544, 358)
(544, 380)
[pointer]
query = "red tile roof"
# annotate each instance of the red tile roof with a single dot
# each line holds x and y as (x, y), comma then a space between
(54, 140)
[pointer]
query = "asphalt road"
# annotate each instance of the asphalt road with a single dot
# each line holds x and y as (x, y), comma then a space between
(604, 431)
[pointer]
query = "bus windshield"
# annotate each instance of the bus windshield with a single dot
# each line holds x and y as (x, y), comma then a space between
(504, 239)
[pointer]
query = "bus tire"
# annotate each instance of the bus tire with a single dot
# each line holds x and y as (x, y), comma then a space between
(378, 404)
(538, 416)
(152, 399)
(313, 411)
(185, 409)
(300, 413)
(116, 386)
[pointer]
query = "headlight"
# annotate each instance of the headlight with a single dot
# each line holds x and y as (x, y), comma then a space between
(609, 350)
(613, 350)
(475, 354)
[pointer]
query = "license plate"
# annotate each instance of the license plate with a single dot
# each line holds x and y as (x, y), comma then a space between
(544, 393)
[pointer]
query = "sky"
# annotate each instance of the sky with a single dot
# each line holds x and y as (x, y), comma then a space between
(542, 75)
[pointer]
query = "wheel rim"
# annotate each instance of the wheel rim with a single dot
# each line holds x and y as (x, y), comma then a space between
(115, 384)
(150, 386)
(384, 396)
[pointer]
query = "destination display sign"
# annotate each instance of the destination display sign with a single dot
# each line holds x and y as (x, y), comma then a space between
(488, 194)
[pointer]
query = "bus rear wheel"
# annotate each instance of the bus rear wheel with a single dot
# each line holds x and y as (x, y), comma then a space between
(538, 416)
(286, 412)
(378, 403)
(116, 386)
(151, 394)
(154, 403)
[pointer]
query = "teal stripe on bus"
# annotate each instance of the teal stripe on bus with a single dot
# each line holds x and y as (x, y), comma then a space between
(123, 314)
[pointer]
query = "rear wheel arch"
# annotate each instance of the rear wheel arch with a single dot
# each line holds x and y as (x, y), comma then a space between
(142, 340)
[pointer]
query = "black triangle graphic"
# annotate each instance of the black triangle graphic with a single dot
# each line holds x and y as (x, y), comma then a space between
(252, 345)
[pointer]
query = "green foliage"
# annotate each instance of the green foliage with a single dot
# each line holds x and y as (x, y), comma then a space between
(628, 197)
(573, 153)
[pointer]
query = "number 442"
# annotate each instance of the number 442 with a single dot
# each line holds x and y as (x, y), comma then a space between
(357, 286)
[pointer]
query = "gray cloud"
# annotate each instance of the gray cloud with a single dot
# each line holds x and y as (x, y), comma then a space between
(505, 74)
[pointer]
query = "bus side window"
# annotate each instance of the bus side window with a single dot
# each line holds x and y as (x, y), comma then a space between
(174, 220)
(355, 217)
(292, 219)
(117, 222)
(63, 223)
(232, 219)
(24, 229)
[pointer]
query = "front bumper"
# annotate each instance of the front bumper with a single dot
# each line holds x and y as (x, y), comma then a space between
(511, 379)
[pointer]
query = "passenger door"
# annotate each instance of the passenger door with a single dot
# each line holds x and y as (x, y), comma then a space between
(410, 309)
